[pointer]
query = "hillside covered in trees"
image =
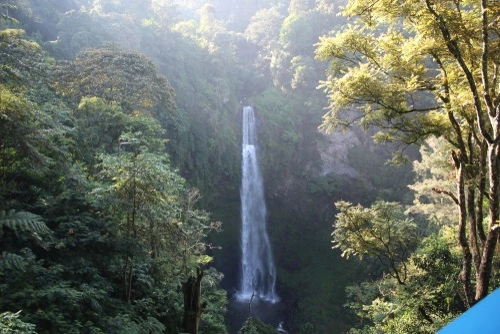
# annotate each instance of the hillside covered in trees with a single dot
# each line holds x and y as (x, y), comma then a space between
(120, 163)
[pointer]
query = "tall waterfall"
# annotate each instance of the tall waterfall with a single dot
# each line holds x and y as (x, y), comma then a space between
(258, 274)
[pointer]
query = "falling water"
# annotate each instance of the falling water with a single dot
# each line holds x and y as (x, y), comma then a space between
(258, 274)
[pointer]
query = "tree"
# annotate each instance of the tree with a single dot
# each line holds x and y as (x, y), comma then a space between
(425, 303)
(417, 69)
(142, 193)
(209, 24)
(264, 27)
(77, 31)
(124, 77)
(33, 123)
(434, 177)
(194, 226)
(167, 12)
(23, 61)
(299, 6)
(193, 307)
(382, 232)
(255, 326)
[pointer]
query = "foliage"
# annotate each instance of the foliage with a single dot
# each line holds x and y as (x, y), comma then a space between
(425, 303)
(91, 163)
(212, 320)
(264, 27)
(22, 221)
(255, 326)
(15, 46)
(76, 31)
(248, 327)
(382, 231)
(427, 69)
(10, 323)
(434, 172)
(125, 77)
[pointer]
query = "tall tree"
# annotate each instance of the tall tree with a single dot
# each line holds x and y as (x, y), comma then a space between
(415, 69)
(125, 77)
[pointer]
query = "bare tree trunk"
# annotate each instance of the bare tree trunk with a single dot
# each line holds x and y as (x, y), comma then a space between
(462, 237)
(471, 214)
(481, 192)
(192, 302)
(484, 276)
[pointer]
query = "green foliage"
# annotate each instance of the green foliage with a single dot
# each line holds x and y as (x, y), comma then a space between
(212, 318)
(125, 77)
(92, 162)
(381, 231)
(425, 303)
(5, 16)
(11, 261)
(434, 171)
(308, 328)
(15, 46)
(392, 82)
(10, 323)
(77, 30)
(264, 27)
(124, 324)
(411, 71)
(22, 221)
(284, 131)
(296, 34)
(248, 327)
(255, 326)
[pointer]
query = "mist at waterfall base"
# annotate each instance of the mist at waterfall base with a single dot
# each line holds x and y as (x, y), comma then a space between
(258, 273)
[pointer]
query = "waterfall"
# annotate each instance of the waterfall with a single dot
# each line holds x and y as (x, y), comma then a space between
(258, 274)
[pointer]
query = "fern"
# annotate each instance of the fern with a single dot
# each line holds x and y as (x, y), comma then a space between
(22, 221)
(12, 261)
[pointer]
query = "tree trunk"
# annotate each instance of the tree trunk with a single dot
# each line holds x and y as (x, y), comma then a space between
(192, 302)
(465, 274)
(484, 276)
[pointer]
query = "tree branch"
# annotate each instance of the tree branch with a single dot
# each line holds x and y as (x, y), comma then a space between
(441, 191)
(452, 46)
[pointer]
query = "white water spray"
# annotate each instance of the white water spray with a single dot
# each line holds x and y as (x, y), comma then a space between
(258, 274)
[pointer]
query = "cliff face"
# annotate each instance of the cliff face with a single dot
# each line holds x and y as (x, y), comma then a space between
(333, 152)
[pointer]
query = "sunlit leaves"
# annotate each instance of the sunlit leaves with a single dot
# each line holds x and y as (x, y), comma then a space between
(10, 323)
(425, 303)
(296, 34)
(382, 82)
(397, 49)
(21, 137)
(434, 172)
(264, 27)
(22, 62)
(381, 231)
(125, 77)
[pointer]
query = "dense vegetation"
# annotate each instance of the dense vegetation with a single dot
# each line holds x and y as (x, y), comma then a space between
(424, 73)
(119, 159)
